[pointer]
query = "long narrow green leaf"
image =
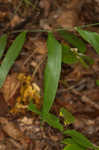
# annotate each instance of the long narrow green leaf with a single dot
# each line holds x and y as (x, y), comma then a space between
(52, 72)
(79, 139)
(11, 56)
(73, 147)
(3, 42)
(74, 40)
(90, 37)
(53, 121)
(32, 107)
(67, 141)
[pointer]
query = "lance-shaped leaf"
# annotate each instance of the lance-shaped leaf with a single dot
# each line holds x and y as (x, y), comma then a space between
(90, 37)
(53, 121)
(52, 72)
(11, 56)
(74, 40)
(67, 141)
(79, 139)
(32, 107)
(73, 147)
(3, 42)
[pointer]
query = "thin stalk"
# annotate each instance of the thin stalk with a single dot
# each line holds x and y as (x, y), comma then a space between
(54, 30)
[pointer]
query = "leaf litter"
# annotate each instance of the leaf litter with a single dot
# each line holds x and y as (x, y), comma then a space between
(16, 92)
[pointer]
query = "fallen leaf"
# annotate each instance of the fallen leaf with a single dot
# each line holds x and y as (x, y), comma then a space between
(3, 105)
(10, 87)
(11, 130)
(15, 20)
(40, 46)
(69, 17)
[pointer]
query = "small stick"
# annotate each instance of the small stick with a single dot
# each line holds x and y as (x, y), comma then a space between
(37, 67)
(87, 100)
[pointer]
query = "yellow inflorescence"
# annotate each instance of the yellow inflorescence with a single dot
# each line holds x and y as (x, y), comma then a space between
(28, 91)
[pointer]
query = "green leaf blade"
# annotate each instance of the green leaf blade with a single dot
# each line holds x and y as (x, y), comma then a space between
(68, 56)
(90, 37)
(74, 40)
(32, 107)
(3, 42)
(53, 121)
(97, 82)
(52, 72)
(11, 56)
(67, 141)
(79, 139)
(73, 147)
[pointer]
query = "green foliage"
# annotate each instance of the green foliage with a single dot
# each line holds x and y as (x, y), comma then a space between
(68, 117)
(68, 57)
(74, 40)
(32, 107)
(90, 37)
(11, 56)
(3, 42)
(53, 121)
(72, 56)
(58, 53)
(79, 139)
(73, 147)
(87, 59)
(52, 72)
(97, 82)
(68, 141)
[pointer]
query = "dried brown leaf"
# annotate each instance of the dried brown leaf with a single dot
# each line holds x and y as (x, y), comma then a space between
(10, 129)
(10, 87)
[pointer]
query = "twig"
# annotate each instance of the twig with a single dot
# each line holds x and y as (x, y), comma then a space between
(87, 100)
(37, 67)
(54, 30)
(17, 8)
(26, 61)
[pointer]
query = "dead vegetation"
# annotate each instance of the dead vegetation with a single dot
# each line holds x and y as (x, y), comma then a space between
(20, 129)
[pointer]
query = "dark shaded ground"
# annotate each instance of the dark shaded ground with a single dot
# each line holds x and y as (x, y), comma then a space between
(77, 90)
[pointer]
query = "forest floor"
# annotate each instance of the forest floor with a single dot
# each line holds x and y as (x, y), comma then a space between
(77, 91)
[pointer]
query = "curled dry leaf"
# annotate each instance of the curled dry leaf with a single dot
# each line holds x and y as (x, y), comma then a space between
(69, 17)
(40, 46)
(11, 130)
(10, 87)
(15, 20)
